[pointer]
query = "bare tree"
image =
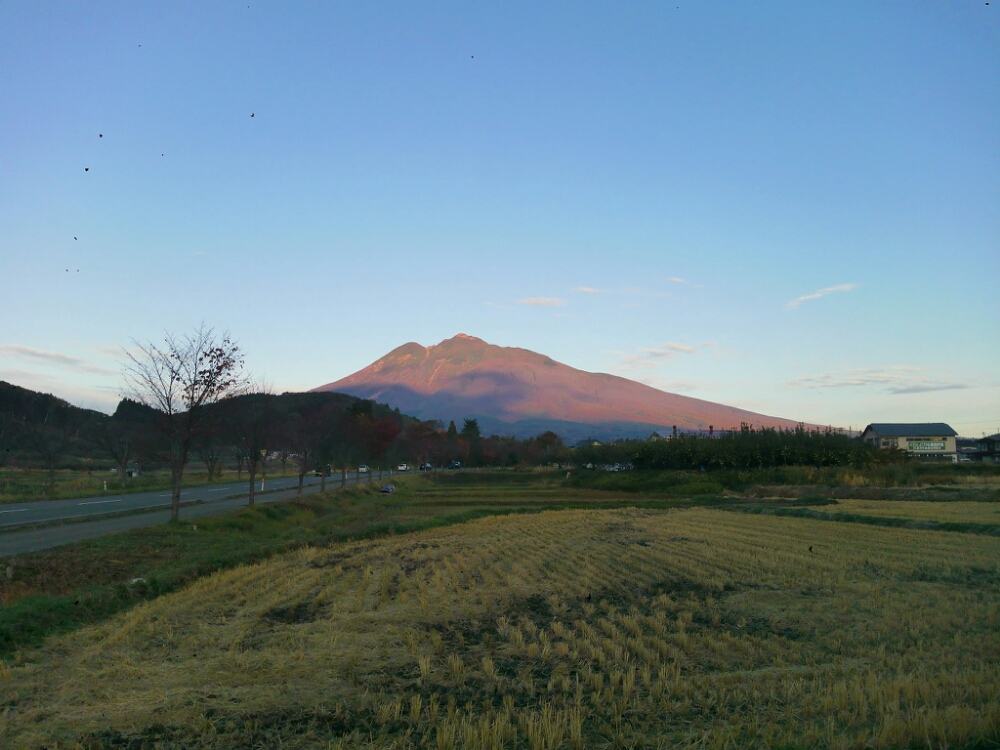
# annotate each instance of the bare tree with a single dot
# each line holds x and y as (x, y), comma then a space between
(120, 441)
(238, 458)
(178, 380)
(50, 438)
(209, 449)
(8, 427)
(252, 418)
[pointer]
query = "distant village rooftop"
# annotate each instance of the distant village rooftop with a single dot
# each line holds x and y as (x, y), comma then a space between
(901, 429)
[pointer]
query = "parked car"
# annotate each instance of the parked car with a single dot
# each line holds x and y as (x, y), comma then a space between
(403, 467)
(388, 488)
(426, 467)
(455, 465)
(363, 469)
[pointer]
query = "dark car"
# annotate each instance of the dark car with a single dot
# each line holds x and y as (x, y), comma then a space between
(388, 488)
(455, 465)
(426, 467)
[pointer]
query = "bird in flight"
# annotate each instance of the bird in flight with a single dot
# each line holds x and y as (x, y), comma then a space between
(251, 114)
(74, 238)
(86, 169)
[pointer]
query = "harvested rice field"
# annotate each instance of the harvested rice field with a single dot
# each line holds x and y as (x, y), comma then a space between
(564, 629)
(949, 512)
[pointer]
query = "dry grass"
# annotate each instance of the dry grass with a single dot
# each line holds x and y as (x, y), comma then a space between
(954, 512)
(568, 629)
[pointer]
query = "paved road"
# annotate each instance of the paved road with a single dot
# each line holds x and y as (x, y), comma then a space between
(45, 511)
(148, 510)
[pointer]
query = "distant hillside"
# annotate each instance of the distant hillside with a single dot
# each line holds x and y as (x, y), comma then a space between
(25, 415)
(519, 392)
(33, 407)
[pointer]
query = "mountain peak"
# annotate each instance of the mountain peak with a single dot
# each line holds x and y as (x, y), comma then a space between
(463, 339)
(465, 376)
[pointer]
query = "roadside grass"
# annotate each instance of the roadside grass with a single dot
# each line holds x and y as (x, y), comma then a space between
(26, 485)
(621, 628)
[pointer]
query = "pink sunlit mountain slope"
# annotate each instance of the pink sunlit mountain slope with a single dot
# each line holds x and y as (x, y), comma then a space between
(519, 392)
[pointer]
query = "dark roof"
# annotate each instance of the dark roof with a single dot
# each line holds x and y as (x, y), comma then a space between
(919, 429)
(990, 437)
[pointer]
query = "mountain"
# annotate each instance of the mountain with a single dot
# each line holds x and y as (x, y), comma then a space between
(514, 391)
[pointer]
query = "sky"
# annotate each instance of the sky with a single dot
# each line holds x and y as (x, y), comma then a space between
(788, 207)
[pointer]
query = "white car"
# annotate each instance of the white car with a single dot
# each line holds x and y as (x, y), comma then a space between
(403, 467)
(362, 469)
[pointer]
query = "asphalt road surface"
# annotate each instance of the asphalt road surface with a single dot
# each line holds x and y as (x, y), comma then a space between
(140, 510)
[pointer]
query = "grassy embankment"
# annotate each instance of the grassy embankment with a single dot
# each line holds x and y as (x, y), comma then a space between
(582, 626)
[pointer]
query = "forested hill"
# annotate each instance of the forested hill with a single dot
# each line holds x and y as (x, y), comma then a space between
(39, 428)
(32, 407)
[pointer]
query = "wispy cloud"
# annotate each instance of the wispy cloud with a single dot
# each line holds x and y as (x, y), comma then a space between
(821, 293)
(671, 386)
(684, 282)
(589, 290)
(670, 349)
(27, 353)
(542, 301)
(651, 358)
(897, 380)
(928, 388)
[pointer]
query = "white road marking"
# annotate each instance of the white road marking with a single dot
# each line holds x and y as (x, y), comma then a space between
(99, 502)
(18, 510)
(221, 489)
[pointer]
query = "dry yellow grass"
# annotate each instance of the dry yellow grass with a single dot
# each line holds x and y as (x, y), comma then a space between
(572, 629)
(958, 511)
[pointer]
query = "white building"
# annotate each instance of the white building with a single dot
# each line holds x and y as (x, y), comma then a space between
(927, 440)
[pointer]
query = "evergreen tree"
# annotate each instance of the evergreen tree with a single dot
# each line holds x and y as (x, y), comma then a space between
(452, 430)
(470, 430)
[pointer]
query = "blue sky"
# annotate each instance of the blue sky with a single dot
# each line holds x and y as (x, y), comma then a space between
(788, 207)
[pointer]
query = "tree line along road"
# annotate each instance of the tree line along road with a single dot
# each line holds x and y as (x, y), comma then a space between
(65, 521)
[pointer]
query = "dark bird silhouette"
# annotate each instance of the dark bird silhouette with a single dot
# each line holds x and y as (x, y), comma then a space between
(589, 597)
(100, 135)
(251, 114)
(810, 548)
(74, 238)
(86, 169)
